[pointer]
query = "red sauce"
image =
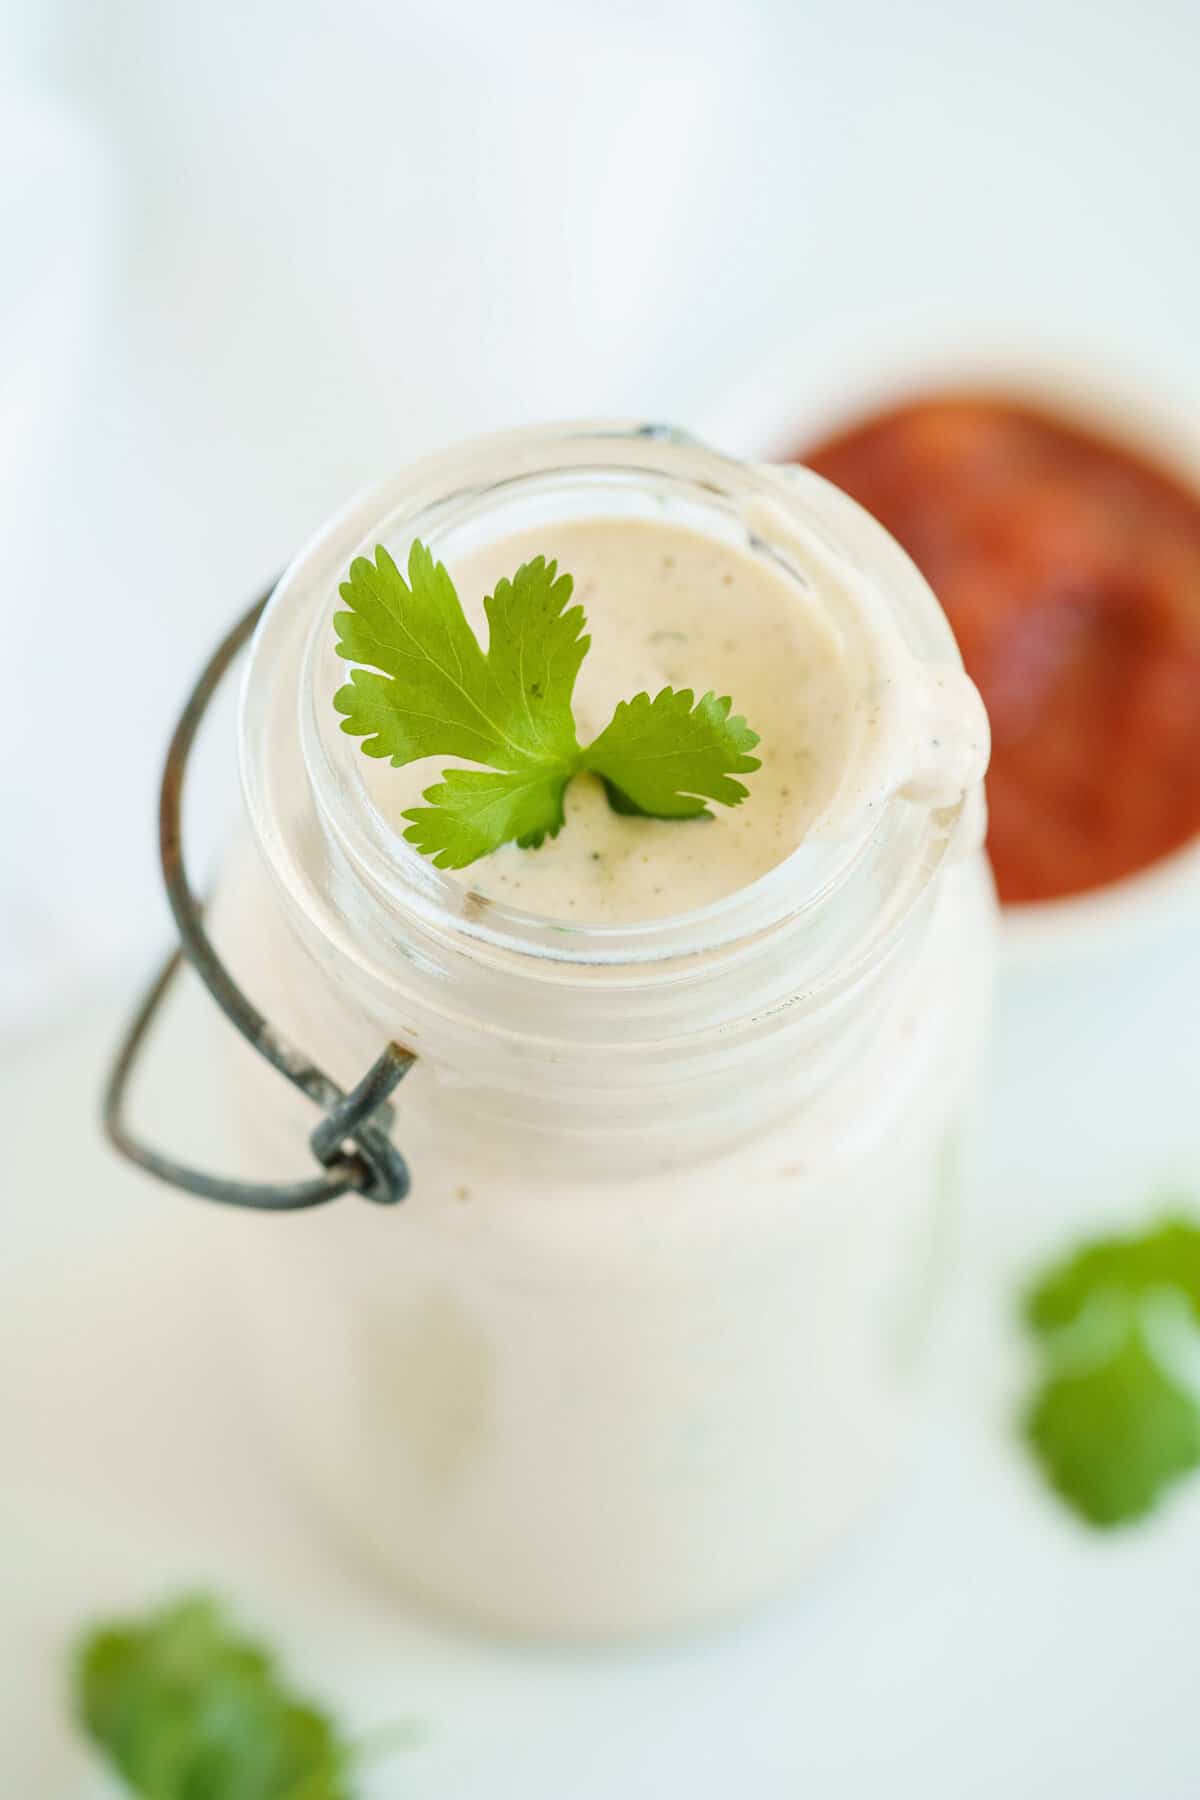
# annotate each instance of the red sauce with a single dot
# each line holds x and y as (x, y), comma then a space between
(1069, 568)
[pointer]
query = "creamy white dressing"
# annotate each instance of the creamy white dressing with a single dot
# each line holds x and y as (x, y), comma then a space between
(643, 1337)
(844, 715)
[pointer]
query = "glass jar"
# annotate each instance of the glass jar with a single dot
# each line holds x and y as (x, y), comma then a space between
(645, 1335)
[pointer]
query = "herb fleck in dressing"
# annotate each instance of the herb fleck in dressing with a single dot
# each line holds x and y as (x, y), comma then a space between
(665, 606)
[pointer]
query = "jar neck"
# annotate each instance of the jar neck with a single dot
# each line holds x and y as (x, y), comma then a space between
(625, 1028)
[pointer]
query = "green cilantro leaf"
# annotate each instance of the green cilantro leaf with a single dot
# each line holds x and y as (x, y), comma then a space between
(1166, 1256)
(1116, 1418)
(1113, 1433)
(658, 756)
(471, 811)
(438, 694)
(186, 1709)
(425, 687)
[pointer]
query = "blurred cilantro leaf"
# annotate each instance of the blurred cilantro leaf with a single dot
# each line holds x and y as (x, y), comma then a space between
(1168, 1255)
(185, 1708)
(1115, 1419)
(425, 687)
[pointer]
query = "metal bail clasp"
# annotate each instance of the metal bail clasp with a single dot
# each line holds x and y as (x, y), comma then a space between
(351, 1141)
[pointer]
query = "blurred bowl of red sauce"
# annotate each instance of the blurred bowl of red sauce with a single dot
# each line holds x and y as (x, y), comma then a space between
(1054, 509)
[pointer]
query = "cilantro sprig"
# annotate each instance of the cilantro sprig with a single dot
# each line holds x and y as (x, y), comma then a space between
(1115, 1420)
(424, 686)
(183, 1706)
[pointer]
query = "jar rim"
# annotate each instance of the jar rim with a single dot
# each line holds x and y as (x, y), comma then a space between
(783, 901)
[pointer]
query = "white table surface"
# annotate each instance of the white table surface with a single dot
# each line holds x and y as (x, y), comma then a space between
(973, 1641)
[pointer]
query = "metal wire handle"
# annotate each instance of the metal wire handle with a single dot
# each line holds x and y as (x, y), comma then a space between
(351, 1140)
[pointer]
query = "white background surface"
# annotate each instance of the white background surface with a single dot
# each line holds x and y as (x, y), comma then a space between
(253, 257)
(256, 256)
(972, 1643)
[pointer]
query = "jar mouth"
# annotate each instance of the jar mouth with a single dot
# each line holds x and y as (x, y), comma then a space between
(616, 465)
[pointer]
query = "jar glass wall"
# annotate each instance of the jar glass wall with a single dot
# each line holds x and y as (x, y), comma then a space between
(644, 1336)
